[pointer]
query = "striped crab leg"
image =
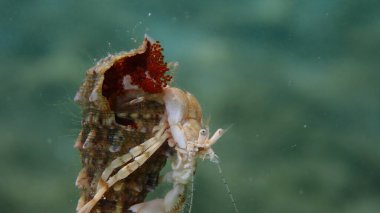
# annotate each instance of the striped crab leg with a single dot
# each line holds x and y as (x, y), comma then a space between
(133, 153)
(138, 160)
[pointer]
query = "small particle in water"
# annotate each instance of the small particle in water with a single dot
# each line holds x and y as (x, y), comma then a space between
(149, 14)
(305, 126)
(114, 148)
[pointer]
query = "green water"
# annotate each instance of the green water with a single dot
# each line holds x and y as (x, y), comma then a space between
(298, 80)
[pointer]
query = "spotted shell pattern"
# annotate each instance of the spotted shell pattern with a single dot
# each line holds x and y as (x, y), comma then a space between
(121, 102)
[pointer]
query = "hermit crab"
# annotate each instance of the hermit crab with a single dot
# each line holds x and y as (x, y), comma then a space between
(133, 120)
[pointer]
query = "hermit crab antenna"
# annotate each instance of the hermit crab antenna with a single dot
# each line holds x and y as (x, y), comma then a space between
(207, 122)
(227, 187)
(192, 193)
(228, 128)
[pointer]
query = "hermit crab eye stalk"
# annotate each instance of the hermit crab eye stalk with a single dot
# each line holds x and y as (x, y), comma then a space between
(203, 132)
(217, 135)
(202, 138)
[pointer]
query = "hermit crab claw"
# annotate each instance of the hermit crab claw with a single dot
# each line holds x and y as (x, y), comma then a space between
(175, 104)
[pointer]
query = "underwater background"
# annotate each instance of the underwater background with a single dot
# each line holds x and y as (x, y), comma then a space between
(297, 80)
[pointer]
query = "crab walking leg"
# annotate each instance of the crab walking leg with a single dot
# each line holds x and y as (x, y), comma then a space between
(138, 161)
(173, 202)
(80, 203)
(123, 173)
(134, 152)
(175, 198)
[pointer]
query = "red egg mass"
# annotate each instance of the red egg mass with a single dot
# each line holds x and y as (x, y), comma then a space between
(146, 70)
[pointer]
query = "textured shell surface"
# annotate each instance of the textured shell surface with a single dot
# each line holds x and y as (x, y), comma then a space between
(121, 102)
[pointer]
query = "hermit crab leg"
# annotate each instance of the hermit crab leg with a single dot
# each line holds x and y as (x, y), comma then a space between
(138, 161)
(124, 172)
(134, 152)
